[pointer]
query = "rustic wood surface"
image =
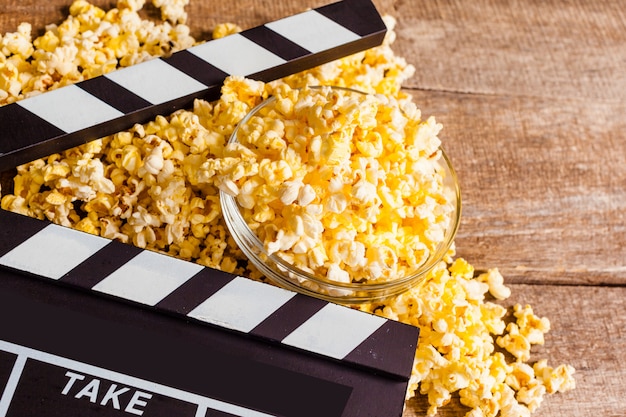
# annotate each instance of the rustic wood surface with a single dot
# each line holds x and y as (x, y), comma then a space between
(532, 95)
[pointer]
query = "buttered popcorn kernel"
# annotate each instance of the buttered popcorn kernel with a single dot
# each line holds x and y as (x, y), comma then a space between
(156, 186)
(347, 180)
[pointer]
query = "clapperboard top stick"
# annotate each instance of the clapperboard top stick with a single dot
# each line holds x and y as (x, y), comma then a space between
(72, 115)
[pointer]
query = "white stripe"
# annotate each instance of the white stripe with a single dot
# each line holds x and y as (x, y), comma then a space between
(11, 385)
(313, 31)
(241, 304)
(334, 331)
(148, 277)
(201, 411)
(70, 108)
(53, 251)
(202, 402)
(156, 81)
(236, 55)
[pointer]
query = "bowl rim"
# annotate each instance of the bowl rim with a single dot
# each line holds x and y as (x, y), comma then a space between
(230, 206)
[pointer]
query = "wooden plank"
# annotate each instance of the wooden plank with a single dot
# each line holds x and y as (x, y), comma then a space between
(542, 183)
(526, 48)
(512, 214)
(583, 334)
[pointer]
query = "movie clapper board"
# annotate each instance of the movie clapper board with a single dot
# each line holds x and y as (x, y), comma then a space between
(93, 327)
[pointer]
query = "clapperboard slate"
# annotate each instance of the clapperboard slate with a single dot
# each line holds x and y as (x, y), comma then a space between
(93, 327)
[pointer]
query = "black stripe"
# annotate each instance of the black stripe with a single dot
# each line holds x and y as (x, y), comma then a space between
(100, 265)
(7, 360)
(114, 94)
(29, 149)
(16, 228)
(288, 317)
(217, 413)
(357, 16)
(195, 291)
(21, 128)
(275, 43)
(196, 68)
(380, 350)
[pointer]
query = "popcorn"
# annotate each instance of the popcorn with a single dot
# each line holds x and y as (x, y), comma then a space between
(494, 279)
(456, 350)
(557, 379)
(225, 29)
(18, 43)
(526, 331)
(531, 326)
(90, 42)
(311, 149)
(172, 10)
(156, 186)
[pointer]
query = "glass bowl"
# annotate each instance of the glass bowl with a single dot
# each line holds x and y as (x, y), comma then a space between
(286, 275)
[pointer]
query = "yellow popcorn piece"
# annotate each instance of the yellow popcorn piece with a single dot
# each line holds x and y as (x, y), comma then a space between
(494, 279)
(10, 85)
(515, 342)
(55, 171)
(532, 395)
(55, 198)
(132, 5)
(88, 225)
(225, 29)
(172, 10)
(18, 43)
(559, 379)
(461, 268)
(526, 331)
(16, 204)
(531, 326)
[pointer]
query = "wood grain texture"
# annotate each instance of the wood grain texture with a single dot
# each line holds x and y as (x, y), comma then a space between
(542, 183)
(554, 48)
(532, 96)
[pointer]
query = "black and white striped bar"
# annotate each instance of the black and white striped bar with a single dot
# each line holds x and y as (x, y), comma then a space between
(60, 119)
(165, 283)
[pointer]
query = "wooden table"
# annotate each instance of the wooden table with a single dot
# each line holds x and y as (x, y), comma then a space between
(532, 95)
